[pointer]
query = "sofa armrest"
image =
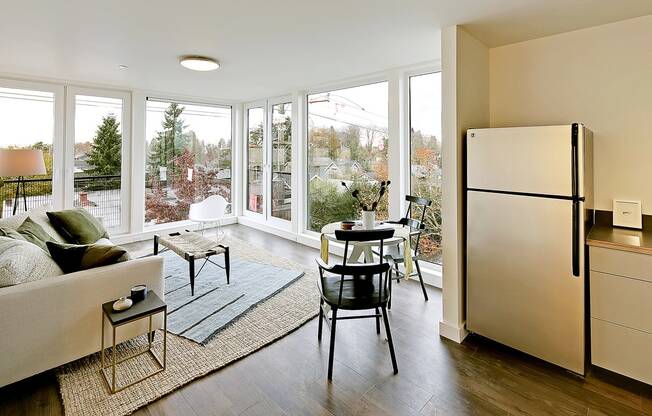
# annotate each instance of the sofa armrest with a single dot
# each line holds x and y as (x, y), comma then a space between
(50, 322)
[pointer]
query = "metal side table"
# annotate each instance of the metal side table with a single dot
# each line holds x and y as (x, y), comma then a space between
(146, 308)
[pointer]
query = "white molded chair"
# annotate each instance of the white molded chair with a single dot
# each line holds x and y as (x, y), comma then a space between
(210, 210)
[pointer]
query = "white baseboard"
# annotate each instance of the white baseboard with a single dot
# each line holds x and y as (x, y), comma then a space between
(453, 333)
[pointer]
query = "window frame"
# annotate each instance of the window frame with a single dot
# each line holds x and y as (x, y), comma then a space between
(245, 159)
(58, 135)
(354, 83)
(432, 268)
(125, 170)
(266, 216)
(267, 142)
(142, 159)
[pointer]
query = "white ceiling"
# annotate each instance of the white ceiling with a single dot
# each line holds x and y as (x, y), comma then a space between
(266, 47)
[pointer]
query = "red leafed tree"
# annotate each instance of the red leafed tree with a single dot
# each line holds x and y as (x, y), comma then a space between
(168, 205)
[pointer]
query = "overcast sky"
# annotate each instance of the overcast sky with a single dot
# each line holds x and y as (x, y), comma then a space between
(27, 117)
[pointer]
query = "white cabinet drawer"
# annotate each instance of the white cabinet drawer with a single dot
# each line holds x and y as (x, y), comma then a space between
(622, 263)
(622, 350)
(621, 300)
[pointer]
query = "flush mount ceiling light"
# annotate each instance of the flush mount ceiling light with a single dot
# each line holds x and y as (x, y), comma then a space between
(198, 63)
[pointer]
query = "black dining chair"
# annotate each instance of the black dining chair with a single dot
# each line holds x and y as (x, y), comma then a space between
(355, 287)
(395, 254)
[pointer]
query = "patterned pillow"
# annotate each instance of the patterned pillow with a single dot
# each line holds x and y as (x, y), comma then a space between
(22, 262)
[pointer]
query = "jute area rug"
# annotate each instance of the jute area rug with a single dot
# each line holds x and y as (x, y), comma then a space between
(84, 392)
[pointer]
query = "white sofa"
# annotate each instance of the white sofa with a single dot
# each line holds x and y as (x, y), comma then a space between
(50, 322)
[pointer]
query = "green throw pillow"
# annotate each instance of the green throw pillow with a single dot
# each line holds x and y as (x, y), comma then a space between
(11, 233)
(34, 233)
(78, 226)
(72, 257)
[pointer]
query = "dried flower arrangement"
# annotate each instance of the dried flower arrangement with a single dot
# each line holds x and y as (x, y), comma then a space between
(368, 196)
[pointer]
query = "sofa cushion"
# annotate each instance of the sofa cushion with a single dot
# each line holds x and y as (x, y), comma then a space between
(39, 216)
(22, 262)
(73, 257)
(34, 233)
(78, 226)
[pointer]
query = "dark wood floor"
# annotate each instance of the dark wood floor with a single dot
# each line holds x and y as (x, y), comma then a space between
(436, 376)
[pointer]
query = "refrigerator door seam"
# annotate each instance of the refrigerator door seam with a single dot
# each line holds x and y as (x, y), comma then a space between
(494, 191)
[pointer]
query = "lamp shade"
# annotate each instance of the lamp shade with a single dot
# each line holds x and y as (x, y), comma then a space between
(21, 162)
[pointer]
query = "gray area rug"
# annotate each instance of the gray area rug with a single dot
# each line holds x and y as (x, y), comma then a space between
(216, 303)
(84, 393)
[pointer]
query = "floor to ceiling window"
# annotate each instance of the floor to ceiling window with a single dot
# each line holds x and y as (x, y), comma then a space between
(255, 159)
(189, 157)
(27, 120)
(425, 156)
(281, 185)
(347, 142)
(98, 161)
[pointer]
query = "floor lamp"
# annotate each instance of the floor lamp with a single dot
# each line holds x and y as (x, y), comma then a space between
(20, 163)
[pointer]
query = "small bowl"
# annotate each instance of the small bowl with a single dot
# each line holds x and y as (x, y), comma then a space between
(347, 225)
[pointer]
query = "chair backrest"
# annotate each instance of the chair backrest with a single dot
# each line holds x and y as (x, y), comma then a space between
(418, 200)
(369, 270)
(210, 209)
(423, 203)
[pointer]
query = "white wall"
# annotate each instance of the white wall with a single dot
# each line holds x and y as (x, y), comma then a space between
(465, 104)
(601, 76)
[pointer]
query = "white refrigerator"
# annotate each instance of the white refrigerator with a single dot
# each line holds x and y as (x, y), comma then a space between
(529, 207)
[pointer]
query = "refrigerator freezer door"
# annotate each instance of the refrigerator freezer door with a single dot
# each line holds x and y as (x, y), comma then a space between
(521, 290)
(535, 160)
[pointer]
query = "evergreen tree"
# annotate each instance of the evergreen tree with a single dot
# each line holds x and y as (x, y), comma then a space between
(105, 157)
(170, 142)
(256, 136)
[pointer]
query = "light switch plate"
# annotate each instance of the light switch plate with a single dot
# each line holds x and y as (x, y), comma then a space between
(627, 214)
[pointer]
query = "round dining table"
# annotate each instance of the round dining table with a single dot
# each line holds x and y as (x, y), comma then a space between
(358, 248)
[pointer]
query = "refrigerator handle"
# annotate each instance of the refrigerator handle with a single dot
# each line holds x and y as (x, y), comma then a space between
(575, 160)
(576, 238)
(576, 198)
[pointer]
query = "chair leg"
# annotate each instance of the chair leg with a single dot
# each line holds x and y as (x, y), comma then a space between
(331, 352)
(377, 321)
(155, 244)
(423, 286)
(321, 319)
(389, 340)
(227, 265)
(391, 277)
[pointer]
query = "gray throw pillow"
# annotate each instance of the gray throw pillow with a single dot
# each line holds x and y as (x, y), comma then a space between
(22, 262)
